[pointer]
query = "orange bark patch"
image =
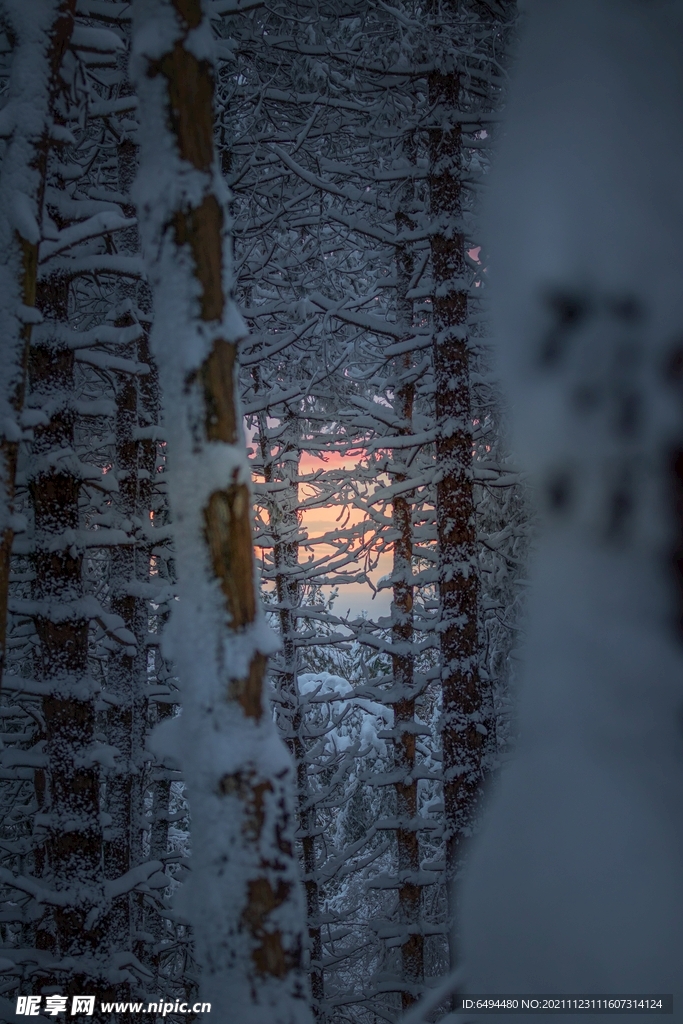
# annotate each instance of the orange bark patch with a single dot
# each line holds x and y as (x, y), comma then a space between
(190, 93)
(216, 375)
(248, 692)
(227, 519)
(270, 956)
(201, 228)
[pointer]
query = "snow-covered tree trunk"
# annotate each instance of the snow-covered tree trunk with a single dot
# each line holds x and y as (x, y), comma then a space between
(462, 730)
(69, 860)
(576, 882)
(244, 898)
(40, 34)
(129, 570)
(127, 663)
(285, 526)
(402, 658)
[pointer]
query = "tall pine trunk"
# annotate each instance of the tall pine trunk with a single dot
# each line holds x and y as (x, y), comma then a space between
(284, 523)
(462, 731)
(69, 857)
(134, 461)
(244, 898)
(403, 660)
(40, 35)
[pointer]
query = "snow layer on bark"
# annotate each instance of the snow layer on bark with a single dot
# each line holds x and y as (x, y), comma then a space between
(576, 882)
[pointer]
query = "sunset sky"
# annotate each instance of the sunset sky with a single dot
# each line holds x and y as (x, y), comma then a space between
(353, 597)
